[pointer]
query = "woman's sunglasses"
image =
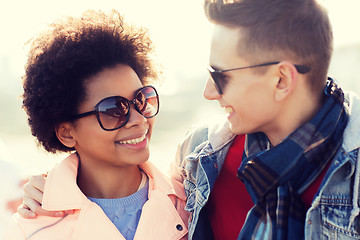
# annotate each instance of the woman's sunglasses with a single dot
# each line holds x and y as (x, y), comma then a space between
(114, 112)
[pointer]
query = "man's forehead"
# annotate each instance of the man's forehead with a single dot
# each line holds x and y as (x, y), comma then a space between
(224, 44)
(225, 32)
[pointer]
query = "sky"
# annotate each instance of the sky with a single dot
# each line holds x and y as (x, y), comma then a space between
(345, 19)
(179, 29)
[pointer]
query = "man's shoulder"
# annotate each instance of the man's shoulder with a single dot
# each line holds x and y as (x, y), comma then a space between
(197, 132)
(215, 134)
(195, 136)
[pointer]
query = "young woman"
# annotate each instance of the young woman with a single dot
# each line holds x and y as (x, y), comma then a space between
(87, 92)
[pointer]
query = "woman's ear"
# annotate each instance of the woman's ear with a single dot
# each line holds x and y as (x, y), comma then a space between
(64, 134)
(287, 80)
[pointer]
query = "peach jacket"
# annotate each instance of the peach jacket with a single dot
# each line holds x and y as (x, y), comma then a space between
(163, 215)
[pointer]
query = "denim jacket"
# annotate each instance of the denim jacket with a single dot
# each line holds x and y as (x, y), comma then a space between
(335, 207)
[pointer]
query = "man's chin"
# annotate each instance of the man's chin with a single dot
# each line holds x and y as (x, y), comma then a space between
(235, 129)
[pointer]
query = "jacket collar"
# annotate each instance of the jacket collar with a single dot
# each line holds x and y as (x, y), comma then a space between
(220, 134)
(159, 181)
(62, 193)
(352, 134)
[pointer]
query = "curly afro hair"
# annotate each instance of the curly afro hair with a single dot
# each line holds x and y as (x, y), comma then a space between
(63, 58)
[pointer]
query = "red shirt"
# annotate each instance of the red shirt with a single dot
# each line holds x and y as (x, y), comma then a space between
(229, 200)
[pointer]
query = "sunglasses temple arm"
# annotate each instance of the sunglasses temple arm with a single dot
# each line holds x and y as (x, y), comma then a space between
(82, 115)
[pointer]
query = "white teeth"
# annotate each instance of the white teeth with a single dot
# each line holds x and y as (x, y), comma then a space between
(134, 141)
(229, 110)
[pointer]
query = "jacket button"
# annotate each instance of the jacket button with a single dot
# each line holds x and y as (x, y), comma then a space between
(179, 227)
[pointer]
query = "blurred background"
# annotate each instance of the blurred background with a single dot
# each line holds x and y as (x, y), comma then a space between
(181, 35)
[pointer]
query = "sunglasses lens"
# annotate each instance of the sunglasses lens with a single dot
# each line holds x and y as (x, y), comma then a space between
(218, 81)
(217, 78)
(113, 112)
(147, 102)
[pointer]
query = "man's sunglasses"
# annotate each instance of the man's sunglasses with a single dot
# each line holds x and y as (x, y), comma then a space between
(218, 78)
(114, 112)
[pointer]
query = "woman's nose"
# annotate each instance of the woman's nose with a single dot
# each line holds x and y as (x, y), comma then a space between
(135, 118)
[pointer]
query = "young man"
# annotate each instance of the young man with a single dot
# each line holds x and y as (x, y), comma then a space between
(299, 174)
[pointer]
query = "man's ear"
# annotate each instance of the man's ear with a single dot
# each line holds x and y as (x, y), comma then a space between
(287, 80)
(64, 132)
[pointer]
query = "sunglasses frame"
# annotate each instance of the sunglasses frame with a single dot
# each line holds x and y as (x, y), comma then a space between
(213, 72)
(127, 115)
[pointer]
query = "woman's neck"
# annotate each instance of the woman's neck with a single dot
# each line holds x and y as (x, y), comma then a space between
(108, 181)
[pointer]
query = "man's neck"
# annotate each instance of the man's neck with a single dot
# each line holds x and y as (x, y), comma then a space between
(299, 109)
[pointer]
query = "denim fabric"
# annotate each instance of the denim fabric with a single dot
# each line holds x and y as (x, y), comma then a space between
(202, 154)
(329, 215)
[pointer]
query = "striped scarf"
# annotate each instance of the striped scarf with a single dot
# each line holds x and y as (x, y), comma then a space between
(275, 177)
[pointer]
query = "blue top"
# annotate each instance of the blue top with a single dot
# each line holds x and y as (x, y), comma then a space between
(125, 212)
